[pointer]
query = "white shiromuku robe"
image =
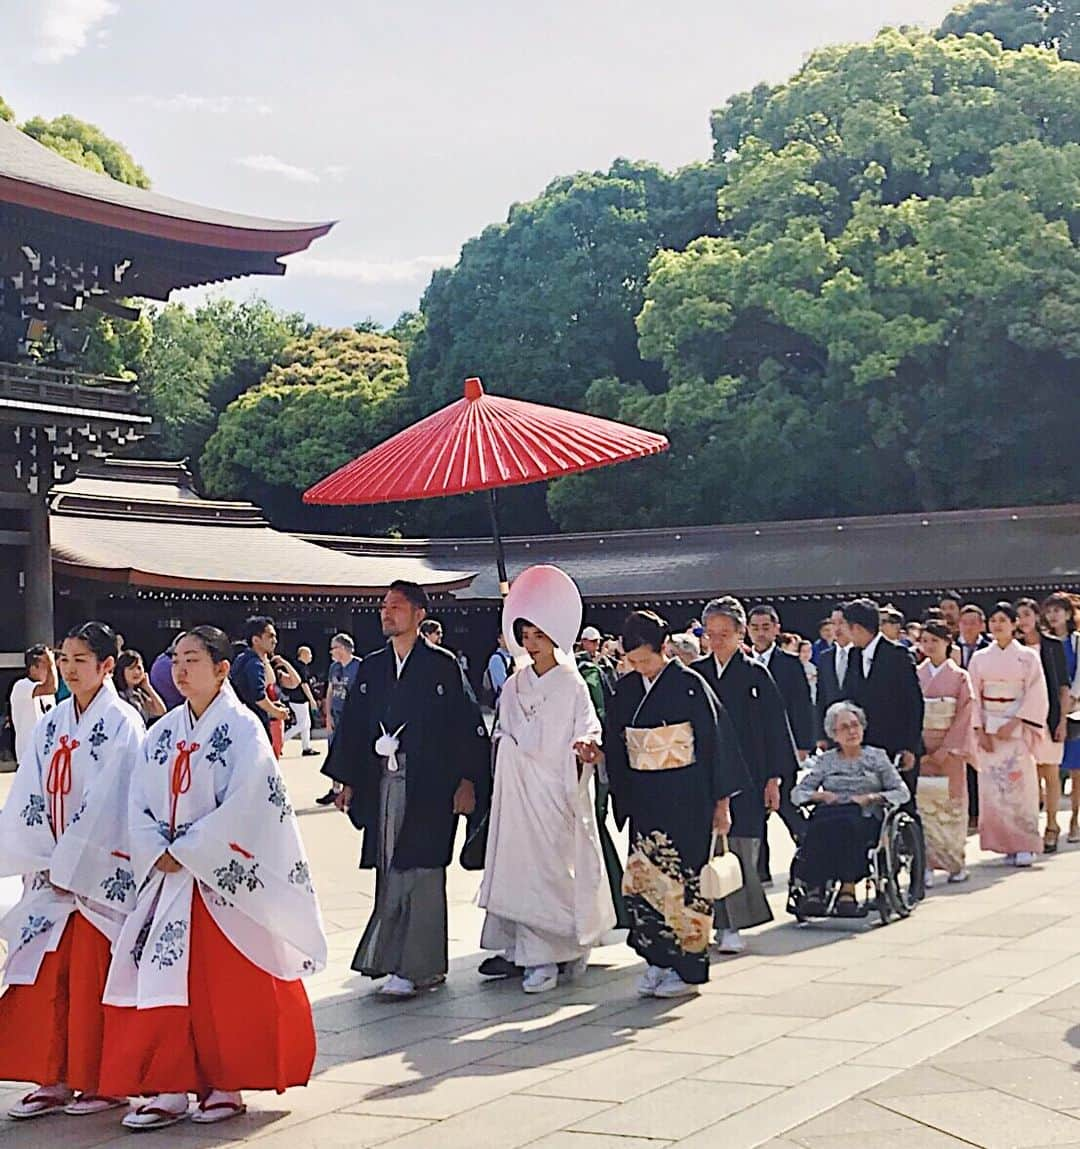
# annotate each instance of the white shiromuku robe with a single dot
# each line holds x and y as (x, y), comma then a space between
(209, 791)
(64, 828)
(545, 886)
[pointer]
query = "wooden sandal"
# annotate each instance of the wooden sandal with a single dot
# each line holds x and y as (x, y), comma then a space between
(217, 1111)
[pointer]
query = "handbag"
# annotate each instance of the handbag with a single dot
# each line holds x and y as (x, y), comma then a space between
(722, 875)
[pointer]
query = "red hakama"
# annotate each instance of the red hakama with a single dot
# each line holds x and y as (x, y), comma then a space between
(242, 1029)
(51, 1031)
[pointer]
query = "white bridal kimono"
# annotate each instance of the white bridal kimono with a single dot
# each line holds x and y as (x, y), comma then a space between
(64, 827)
(209, 791)
(545, 888)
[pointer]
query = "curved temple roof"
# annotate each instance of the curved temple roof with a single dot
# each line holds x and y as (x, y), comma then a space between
(32, 176)
(142, 525)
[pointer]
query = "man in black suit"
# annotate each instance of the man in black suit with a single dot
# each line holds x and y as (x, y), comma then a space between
(972, 638)
(749, 695)
(835, 671)
(790, 678)
(887, 688)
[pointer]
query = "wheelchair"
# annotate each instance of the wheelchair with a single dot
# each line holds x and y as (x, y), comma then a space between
(895, 883)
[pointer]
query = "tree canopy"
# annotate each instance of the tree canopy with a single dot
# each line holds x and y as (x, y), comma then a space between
(897, 252)
(87, 146)
(328, 396)
(543, 304)
(1045, 23)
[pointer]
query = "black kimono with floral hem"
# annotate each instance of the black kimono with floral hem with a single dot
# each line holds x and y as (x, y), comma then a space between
(670, 809)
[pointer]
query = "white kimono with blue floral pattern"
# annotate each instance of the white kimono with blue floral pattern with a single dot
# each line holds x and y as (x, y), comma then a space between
(209, 791)
(64, 829)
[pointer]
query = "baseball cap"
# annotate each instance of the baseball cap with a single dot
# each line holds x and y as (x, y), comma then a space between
(590, 634)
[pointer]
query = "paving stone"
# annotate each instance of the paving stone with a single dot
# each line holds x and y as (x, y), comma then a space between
(872, 1021)
(624, 1076)
(989, 1119)
(675, 1111)
(435, 1099)
(922, 1079)
(785, 1061)
(1042, 1080)
(503, 1124)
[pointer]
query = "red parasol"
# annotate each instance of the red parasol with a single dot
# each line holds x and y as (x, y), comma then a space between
(480, 443)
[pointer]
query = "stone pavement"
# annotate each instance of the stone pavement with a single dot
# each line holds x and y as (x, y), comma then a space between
(958, 1027)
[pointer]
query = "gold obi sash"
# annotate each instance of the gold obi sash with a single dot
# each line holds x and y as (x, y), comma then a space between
(939, 713)
(660, 747)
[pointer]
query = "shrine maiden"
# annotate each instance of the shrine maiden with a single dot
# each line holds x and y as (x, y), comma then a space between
(545, 888)
(1011, 705)
(203, 995)
(64, 830)
(949, 745)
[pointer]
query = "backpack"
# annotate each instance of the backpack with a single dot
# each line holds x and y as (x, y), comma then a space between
(489, 696)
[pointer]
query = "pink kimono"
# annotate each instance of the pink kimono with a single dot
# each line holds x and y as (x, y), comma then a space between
(1009, 683)
(949, 729)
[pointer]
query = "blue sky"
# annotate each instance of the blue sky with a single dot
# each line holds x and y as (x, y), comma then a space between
(415, 123)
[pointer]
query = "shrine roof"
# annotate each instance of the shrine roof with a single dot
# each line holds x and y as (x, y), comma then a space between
(33, 176)
(141, 524)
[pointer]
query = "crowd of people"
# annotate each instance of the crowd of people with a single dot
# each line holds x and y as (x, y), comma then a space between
(168, 912)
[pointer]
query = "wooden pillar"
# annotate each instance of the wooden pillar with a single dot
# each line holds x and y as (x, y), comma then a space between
(38, 594)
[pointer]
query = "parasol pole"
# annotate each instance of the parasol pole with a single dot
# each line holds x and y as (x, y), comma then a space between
(500, 554)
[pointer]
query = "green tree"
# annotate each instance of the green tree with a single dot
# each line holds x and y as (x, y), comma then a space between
(330, 396)
(88, 146)
(898, 251)
(198, 362)
(1045, 23)
(543, 304)
(5, 111)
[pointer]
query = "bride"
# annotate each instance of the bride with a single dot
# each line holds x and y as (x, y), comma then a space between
(545, 889)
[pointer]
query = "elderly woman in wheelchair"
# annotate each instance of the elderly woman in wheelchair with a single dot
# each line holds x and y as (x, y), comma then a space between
(855, 830)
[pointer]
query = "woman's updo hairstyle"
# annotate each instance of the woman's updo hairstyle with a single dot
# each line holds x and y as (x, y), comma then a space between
(645, 628)
(939, 629)
(99, 636)
(1005, 608)
(214, 641)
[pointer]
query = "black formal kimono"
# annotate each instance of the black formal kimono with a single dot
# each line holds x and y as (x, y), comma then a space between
(751, 700)
(790, 678)
(403, 803)
(672, 754)
(749, 695)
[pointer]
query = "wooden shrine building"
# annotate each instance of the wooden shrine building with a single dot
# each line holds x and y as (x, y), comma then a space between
(74, 242)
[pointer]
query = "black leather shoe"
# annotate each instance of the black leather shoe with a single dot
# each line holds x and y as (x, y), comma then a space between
(498, 966)
(310, 752)
(327, 799)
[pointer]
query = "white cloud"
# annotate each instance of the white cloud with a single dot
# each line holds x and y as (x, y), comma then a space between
(64, 26)
(216, 105)
(272, 165)
(368, 272)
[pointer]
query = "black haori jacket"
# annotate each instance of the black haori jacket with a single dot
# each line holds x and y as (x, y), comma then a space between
(444, 740)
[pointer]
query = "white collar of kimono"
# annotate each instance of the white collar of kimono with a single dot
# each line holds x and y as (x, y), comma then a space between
(106, 695)
(722, 666)
(399, 662)
(550, 600)
(933, 670)
(225, 697)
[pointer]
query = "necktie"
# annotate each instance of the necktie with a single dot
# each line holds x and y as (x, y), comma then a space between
(841, 664)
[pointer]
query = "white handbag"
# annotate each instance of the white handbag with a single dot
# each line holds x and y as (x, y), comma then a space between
(722, 875)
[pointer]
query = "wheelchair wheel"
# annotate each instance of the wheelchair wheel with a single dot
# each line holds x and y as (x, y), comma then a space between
(906, 864)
